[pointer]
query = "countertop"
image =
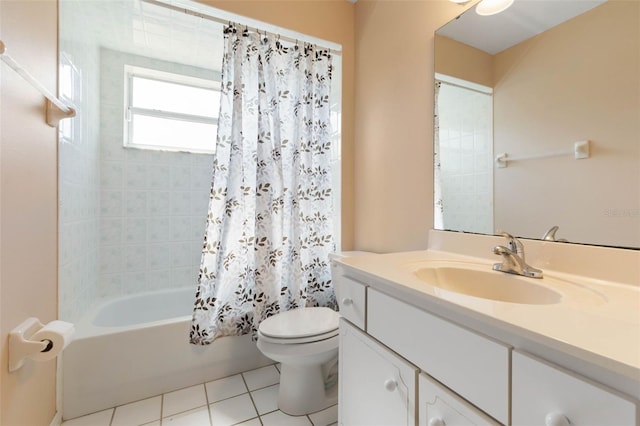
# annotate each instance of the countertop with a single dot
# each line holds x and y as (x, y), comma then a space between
(596, 322)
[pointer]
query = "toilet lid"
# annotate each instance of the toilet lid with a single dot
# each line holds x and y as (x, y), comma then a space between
(299, 323)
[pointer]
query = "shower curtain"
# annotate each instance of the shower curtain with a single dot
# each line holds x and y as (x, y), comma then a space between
(269, 226)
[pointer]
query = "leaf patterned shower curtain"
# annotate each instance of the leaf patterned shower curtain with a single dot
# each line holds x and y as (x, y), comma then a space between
(269, 227)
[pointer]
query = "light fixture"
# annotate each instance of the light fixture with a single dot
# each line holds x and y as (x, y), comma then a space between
(491, 7)
(459, 1)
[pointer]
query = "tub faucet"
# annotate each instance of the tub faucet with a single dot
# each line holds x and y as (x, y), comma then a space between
(513, 258)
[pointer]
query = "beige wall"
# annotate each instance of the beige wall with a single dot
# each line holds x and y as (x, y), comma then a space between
(331, 20)
(28, 215)
(577, 81)
(459, 60)
(394, 121)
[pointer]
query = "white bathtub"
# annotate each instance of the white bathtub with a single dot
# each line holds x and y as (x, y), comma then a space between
(136, 347)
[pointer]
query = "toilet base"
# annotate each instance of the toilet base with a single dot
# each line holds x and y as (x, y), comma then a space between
(296, 397)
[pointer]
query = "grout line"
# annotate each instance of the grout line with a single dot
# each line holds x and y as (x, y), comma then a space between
(206, 397)
(113, 415)
(255, 407)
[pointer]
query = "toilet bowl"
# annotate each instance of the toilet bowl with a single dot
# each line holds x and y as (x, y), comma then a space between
(305, 342)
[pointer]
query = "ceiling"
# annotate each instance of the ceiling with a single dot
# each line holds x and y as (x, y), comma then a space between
(523, 20)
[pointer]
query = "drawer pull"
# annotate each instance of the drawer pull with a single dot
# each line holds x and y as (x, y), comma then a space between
(347, 302)
(390, 385)
(436, 421)
(556, 419)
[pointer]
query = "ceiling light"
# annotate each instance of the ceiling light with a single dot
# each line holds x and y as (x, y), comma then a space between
(459, 1)
(491, 7)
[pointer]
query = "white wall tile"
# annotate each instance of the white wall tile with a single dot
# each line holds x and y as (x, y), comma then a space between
(111, 259)
(159, 176)
(135, 230)
(145, 200)
(134, 282)
(136, 176)
(180, 228)
(159, 203)
(135, 257)
(159, 229)
(180, 177)
(160, 279)
(159, 256)
(111, 203)
(199, 203)
(136, 203)
(180, 203)
(110, 230)
(112, 175)
(184, 277)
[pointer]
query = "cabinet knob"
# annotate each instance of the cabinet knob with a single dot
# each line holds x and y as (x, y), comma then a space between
(556, 419)
(436, 421)
(390, 385)
(347, 302)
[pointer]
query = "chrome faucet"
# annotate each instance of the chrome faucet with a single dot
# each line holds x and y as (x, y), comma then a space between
(550, 235)
(513, 258)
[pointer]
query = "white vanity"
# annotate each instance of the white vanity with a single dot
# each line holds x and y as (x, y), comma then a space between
(414, 351)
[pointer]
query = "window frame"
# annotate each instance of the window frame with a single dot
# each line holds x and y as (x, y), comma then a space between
(131, 71)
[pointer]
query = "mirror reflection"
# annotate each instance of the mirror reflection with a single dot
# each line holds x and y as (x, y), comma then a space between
(538, 122)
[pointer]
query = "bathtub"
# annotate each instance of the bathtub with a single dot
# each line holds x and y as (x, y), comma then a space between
(137, 346)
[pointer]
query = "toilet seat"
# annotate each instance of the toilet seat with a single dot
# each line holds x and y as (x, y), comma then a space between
(301, 325)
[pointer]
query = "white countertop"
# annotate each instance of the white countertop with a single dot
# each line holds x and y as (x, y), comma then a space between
(596, 321)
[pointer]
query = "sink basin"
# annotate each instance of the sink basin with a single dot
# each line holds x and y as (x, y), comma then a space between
(489, 285)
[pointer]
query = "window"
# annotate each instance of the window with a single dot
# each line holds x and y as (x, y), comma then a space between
(172, 112)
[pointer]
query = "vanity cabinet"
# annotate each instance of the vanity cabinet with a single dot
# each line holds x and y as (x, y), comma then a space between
(351, 296)
(377, 387)
(438, 406)
(476, 367)
(403, 365)
(544, 394)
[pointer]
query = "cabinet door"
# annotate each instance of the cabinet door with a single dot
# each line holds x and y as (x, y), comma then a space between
(474, 366)
(438, 406)
(546, 395)
(376, 387)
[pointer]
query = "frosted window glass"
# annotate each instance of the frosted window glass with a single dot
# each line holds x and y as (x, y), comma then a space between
(178, 135)
(173, 97)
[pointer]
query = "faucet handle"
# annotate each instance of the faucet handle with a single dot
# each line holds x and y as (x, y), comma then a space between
(513, 243)
(550, 235)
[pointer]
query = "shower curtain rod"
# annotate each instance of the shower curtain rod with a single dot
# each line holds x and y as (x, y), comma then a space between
(290, 36)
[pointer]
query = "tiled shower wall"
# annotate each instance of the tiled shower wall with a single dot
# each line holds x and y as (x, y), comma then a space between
(466, 154)
(153, 204)
(79, 177)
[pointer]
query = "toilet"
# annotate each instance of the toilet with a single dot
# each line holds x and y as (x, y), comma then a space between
(305, 342)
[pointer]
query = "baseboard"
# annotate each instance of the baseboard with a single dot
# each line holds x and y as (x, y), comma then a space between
(57, 419)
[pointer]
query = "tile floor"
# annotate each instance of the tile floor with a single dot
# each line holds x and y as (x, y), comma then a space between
(247, 399)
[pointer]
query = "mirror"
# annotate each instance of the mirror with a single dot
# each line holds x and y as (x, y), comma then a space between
(538, 122)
